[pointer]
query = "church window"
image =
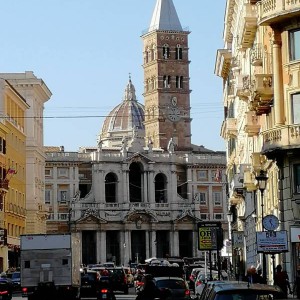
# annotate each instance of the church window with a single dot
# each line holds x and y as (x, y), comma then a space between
(179, 82)
(166, 51)
(111, 188)
(178, 54)
(135, 182)
(167, 81)
(160, 188)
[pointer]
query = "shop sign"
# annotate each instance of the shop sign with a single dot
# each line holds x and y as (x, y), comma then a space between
(272, 241)
(237, 239)
(295, 234)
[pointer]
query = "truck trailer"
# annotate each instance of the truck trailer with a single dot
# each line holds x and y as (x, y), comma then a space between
(50, 266)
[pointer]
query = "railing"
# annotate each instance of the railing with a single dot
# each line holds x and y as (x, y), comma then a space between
(284, 137)
(275, 10)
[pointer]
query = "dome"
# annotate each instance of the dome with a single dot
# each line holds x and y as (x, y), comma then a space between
(124, 119)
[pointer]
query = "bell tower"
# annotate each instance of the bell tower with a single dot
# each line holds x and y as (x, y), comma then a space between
(166, 79)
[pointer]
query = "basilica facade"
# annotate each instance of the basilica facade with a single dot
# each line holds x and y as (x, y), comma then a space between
(142, 189)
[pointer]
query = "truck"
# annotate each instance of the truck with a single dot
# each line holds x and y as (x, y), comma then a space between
(50, 266)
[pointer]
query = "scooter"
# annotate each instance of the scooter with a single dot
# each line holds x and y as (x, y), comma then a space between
(105, 290)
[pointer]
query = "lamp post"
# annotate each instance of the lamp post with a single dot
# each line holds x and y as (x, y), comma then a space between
(262, 183)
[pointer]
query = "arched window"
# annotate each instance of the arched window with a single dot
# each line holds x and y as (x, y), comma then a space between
(135, 182)
(166, 51)
(160, 188)
(111, 181)
(179, 82)
(167, 81)
(178, 53)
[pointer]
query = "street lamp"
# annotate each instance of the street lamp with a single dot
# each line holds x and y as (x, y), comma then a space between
(262, 183)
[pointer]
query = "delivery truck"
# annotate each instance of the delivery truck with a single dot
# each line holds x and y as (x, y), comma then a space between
(50, 266)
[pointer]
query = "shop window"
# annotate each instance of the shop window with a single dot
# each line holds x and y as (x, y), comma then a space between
(294, 39)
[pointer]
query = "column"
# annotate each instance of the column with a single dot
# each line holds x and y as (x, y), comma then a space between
(145, 187)
(278, 80)
(127, 248)
(102, 248)
(153, 244)
(151, 186)
(148, 245)
(98, 246)
(175, 251)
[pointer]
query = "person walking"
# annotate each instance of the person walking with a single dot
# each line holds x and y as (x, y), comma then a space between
(281, 279)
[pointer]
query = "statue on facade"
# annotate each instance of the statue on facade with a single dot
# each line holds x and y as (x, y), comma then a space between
(150, 144)
(171, 146)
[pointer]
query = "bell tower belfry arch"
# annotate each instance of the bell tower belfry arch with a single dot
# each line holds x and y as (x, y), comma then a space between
(166, 79)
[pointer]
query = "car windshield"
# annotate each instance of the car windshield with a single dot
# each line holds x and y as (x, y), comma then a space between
(15, 275)
(89, 276)
(244, 296)
(171, 284)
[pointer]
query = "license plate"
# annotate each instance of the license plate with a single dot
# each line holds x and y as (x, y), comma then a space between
(104, 296)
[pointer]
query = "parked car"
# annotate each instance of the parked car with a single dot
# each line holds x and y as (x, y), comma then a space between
(89, 283)
(241, 291)
(193, 276)
(16, 281)
(202, 279)
(118, 279)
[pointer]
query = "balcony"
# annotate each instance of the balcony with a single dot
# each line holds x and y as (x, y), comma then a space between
(277, 11)
(249, 181)
(242, 86)
(4, 186)
(252, 124)
(231, 127)
(263, 93)
(281, 138)
(257, 55)
(236, 185)
(248, 25)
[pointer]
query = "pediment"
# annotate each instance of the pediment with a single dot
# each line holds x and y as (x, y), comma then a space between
(138, 157)
(186, 217)
(90, 219)
(140, 216)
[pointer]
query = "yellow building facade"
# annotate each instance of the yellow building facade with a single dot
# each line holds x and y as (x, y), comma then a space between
(13, 164)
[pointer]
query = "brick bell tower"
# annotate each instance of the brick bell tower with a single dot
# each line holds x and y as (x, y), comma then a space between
(166, 79)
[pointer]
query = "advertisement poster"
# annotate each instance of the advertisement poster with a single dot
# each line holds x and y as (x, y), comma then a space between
(209, 235)
(272, 241)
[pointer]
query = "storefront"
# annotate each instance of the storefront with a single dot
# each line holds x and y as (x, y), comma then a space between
(295, 243)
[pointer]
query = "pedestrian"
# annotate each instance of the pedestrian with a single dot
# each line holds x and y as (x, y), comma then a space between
(281, 279)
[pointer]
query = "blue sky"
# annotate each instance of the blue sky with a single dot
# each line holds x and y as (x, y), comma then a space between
(85, 49)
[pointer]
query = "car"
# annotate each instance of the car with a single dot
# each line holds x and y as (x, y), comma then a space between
(175, 288)
(193, 276)
(89, 283)
(241, 291)
(6, 289)
(16, 281)
(202, 279)
(118, 279)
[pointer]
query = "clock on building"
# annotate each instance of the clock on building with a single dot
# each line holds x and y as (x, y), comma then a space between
(270, 222)
(173, 114)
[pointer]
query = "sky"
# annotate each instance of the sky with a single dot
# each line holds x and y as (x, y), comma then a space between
(84, 51)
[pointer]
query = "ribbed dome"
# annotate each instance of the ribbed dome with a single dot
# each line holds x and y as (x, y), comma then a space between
(123, 119)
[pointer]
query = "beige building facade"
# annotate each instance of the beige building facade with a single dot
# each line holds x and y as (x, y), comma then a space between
(259, 66)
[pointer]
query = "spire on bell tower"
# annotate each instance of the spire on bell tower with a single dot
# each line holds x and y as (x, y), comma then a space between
(165, 17)
(130, 91)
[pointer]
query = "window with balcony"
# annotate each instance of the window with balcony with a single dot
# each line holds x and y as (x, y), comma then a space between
(47, 196)
(202, 198)
(297, 178)
(296, 108)
(217, 198)
(294, 39)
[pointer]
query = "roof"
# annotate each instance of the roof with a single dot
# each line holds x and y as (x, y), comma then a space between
(165, 17)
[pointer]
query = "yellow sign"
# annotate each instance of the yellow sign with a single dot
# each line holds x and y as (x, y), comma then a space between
(205, 238)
